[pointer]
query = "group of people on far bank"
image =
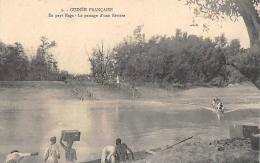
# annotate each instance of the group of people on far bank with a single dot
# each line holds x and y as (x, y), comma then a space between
(113, 154)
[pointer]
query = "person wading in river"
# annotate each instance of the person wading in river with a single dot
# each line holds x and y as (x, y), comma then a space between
(52, 153)
(121, 152)
(16, 157)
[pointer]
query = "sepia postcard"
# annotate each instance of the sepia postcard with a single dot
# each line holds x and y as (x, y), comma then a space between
(144, 81)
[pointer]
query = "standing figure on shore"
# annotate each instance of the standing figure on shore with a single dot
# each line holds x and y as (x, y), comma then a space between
(70, 153)
(108, 153)
(16, 157)
(52, 153)
(117, 81)
(121, 152)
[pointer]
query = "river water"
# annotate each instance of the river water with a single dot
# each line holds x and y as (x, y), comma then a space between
(27, 125)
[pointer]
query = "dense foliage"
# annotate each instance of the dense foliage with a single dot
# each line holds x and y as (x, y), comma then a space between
(182, 59)
(247, 62)
(15, 64)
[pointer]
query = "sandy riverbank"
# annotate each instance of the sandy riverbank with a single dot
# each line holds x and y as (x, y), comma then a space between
(245, 93)
(193, 151)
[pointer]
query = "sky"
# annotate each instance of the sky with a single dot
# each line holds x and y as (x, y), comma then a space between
(25, 21)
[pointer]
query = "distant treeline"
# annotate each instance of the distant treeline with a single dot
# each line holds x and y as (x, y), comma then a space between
(16, 66)
(180, 59)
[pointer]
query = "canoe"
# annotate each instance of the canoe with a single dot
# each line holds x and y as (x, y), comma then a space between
(144, 153)
(138, 155)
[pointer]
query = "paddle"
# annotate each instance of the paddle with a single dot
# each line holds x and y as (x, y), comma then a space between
(177, 143)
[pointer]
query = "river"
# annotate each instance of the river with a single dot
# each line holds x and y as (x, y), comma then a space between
(27, 125)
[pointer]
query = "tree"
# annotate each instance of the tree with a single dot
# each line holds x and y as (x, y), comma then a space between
(222, 9)
(234, 47)
(101, 63)
(43, 65)
(3, 52)
(130, 55)
(15, 63)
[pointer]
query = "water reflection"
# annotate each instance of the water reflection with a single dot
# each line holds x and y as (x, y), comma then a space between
(220, 117)
(117, 111)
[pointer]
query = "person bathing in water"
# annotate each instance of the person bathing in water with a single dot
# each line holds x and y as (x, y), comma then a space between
(218, 104)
